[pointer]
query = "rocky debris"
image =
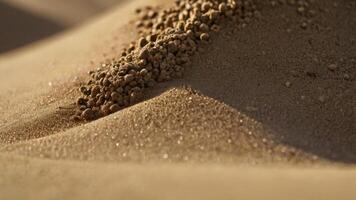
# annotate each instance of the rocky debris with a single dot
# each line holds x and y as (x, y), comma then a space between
(169, 38)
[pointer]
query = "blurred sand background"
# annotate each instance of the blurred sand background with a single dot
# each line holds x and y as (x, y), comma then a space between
(47, 47)
(25, 21)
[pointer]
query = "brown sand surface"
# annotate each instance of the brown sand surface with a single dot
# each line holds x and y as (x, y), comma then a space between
(267, 95)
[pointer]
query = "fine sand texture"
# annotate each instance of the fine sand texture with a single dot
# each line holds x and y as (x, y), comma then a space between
(264, 109)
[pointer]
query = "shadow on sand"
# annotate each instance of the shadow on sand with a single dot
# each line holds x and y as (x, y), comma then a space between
(253, 68)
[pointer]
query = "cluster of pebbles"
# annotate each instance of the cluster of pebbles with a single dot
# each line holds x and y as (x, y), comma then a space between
(169, 39)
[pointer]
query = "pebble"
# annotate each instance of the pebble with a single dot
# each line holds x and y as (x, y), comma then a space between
(128, 78)
(88, 114)
(347, 77)
(81, 101)
(304, 25)
(301, 10)
(204, 37)
(114, 108)
(142, 42)
(332, 67)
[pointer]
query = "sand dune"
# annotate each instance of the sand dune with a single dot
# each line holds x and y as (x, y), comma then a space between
(29, 21)
(274, 94)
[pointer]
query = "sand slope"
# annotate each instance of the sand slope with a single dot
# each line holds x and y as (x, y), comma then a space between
(278, 74)
(262, 95)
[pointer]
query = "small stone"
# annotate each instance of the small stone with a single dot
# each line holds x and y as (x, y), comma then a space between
(88, 114)
(115, 96)
(205, 7)
(114, 108)
(83, 89)
(82, 108)
(95, 90)
(301, 10)
(128, 78)
(81, 101)
(203, 27)
(143, 72)
(332, 67)
(288, 84)
(347, 77)
(91, 103)
(105, 109)
(142, 42)
(304, 25)
(204, 37)
(106, 82)
(215, 28)
(143, 53)
(181, 26)
(214, 15)
(152, 38)
(222, 7)
(135, 95)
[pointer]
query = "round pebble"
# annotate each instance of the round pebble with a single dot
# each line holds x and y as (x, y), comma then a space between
(88, 114)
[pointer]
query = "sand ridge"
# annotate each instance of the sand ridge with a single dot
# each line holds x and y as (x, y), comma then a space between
(210, 84)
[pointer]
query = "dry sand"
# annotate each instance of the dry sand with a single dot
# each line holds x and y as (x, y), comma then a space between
(273, 94)
(26, 21)
(63, 11)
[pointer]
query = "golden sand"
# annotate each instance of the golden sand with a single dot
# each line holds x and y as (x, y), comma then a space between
(263, 110)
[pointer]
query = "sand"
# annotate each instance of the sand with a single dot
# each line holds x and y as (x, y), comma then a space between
(65, 12)
(25, 22)
(264, 111)
(43, 179)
